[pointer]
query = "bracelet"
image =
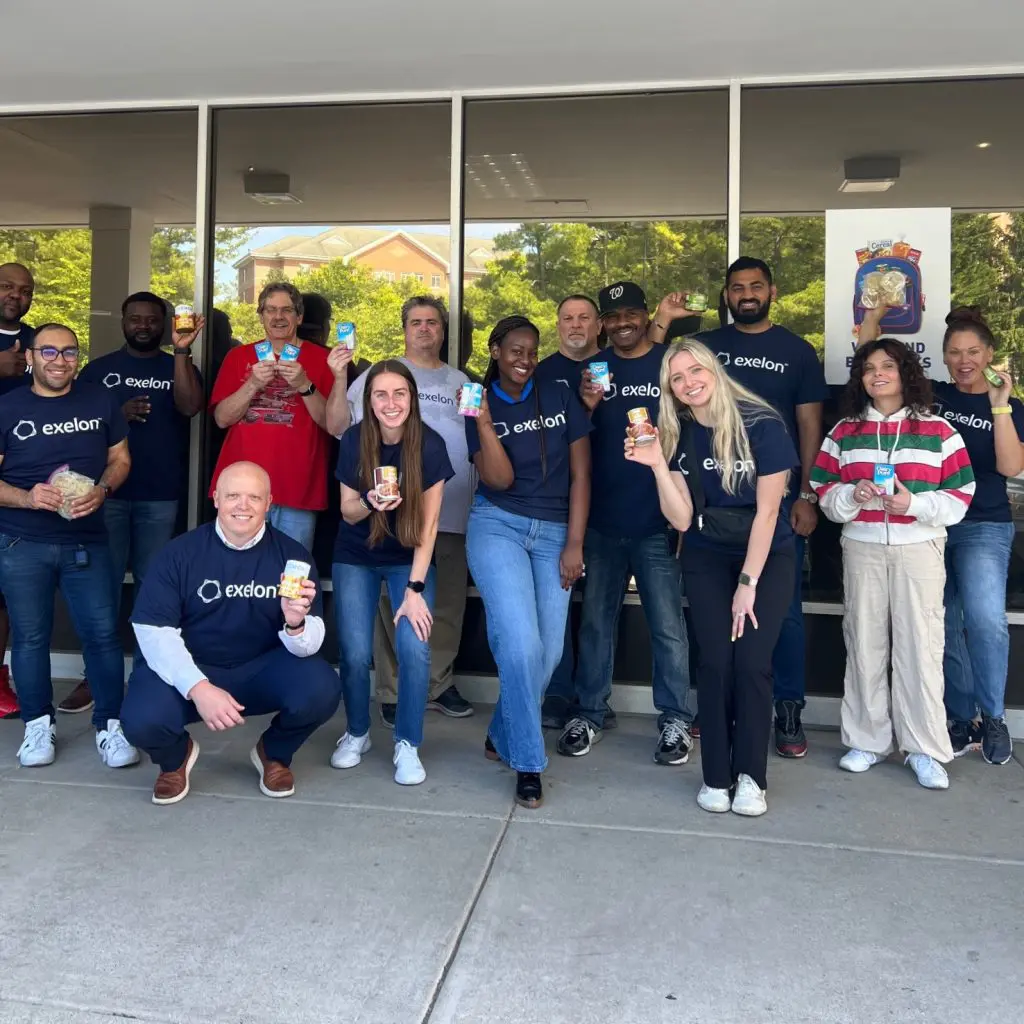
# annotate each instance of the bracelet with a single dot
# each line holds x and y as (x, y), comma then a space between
(1001, 410)
(660, 328)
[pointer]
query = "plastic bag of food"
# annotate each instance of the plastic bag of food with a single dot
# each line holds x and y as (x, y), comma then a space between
(71, 485)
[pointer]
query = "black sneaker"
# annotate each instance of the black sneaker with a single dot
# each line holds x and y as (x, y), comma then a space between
(529, 792)
(578, 737)
(674, 744)
(451, 703)
(964, 737)
(387, 713)
(490, 750)
(996, 745)
(554, 713)
(790, 740)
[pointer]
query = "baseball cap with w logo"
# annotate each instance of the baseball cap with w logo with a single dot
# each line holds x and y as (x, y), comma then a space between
(621, 295)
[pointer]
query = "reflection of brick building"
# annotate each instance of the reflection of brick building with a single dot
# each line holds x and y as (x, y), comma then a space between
(392, 255)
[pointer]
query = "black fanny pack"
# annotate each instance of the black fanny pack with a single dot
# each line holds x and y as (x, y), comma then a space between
(729, 527)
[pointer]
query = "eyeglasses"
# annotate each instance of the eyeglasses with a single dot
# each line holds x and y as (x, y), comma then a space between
(282, 310)
(50, 353)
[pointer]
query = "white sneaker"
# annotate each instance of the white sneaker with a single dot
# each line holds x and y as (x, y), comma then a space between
(714, 800)
(349, 751)
(408, 768)
(929, 772)
(38, 748)
(749, 799)
(114, 749)
(858, 760)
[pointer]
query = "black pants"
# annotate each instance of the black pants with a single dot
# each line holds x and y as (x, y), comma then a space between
(734, 680)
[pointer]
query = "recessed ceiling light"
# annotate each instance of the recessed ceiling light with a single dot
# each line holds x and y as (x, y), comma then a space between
(984, 145)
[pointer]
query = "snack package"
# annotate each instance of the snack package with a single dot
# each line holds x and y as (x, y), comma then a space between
(346, 334)
(600, 374)
(290, 353)
(884, 288)
(641, 429)
(295, 574)
(385, 482)
(71, 485)
(471, 397)
(265, 352)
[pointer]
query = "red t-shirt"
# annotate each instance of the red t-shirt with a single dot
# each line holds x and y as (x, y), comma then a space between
(277, 431)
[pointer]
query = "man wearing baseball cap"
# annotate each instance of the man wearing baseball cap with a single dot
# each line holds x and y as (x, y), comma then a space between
(627, 536)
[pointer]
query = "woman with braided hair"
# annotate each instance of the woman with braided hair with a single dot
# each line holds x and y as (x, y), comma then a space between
(524, 542)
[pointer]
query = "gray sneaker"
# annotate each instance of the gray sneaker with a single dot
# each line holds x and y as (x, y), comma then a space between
(578, 736)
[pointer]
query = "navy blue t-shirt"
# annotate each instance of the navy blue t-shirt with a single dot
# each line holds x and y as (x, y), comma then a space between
(972, 417)
(25, 337)
(772, 451)
(540, 488)
(224, 601)
(624, 497)
(777, 365)
(561, 369)
(37, 435)
(159, 447)
(352, 546)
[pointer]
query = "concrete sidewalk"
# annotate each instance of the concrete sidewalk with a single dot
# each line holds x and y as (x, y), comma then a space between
(856, 899)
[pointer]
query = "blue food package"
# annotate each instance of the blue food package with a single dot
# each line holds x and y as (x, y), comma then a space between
(885, 477)
(346, 333)
(599, 374)
(289, 353)
(265, 352)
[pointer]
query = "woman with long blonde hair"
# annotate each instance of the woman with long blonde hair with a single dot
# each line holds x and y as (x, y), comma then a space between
(722, 465)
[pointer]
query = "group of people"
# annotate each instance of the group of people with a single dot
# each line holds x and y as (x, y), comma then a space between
(558, 479)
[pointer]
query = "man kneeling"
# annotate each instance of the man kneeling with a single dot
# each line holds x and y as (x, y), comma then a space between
(217, 642)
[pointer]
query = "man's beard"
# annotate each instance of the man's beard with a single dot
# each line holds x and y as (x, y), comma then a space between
(143, 345)
(749, 317)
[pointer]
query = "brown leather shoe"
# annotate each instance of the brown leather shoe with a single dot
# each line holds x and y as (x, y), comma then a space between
(173, 786)
(276, 779)
(78, 700)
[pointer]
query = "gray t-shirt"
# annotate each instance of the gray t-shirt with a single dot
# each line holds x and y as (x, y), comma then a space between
(439, 409)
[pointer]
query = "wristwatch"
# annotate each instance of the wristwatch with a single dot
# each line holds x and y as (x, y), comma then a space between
(311, 390)
(106, 487)
(809, 496)
(416, 586)
(364, 502)
(747, 581)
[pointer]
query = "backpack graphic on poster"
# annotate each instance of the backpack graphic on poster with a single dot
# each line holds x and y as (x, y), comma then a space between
(889, 273)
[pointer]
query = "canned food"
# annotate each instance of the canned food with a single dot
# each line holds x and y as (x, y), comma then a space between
(385, 482)
(184, 319)
(295, 574)
(345, 332)
(641, 429)
(290, 353)
(992, 377)
(599, 373)
(696, 302)
(471, 398)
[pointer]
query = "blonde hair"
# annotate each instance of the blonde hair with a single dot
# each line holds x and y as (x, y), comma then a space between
(731, 409)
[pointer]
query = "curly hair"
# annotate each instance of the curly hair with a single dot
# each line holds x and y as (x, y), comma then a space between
(917, 388)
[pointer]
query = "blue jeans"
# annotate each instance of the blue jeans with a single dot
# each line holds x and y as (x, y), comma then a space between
(975, 664)
(137, 530)
(653, 564)
(297, 523)
(301, 694)
(30, 575)
(514, 561)
(356, 596)
(789, 680)
(561, 687)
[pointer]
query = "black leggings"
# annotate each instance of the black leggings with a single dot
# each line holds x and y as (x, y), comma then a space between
(734, 680)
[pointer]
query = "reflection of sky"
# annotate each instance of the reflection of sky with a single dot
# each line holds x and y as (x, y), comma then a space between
(227, 276)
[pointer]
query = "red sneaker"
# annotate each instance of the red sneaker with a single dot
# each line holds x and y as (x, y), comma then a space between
(9, 706)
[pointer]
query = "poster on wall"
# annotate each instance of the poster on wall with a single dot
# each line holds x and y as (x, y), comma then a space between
(893, 258)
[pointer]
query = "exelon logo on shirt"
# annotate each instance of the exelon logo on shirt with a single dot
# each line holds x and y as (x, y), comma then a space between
(501, 428)
(24, 429)
(752, 362)
(113, 380)
(211, 590)
(962, 419)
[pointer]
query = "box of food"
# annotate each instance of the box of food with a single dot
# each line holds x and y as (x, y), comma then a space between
(290, 353)
(600, 375)
(345, 332)
(265, 352)
(471, 397)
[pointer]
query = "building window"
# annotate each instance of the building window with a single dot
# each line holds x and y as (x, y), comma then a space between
(384, 275)
(435, 280)
(410, 276)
